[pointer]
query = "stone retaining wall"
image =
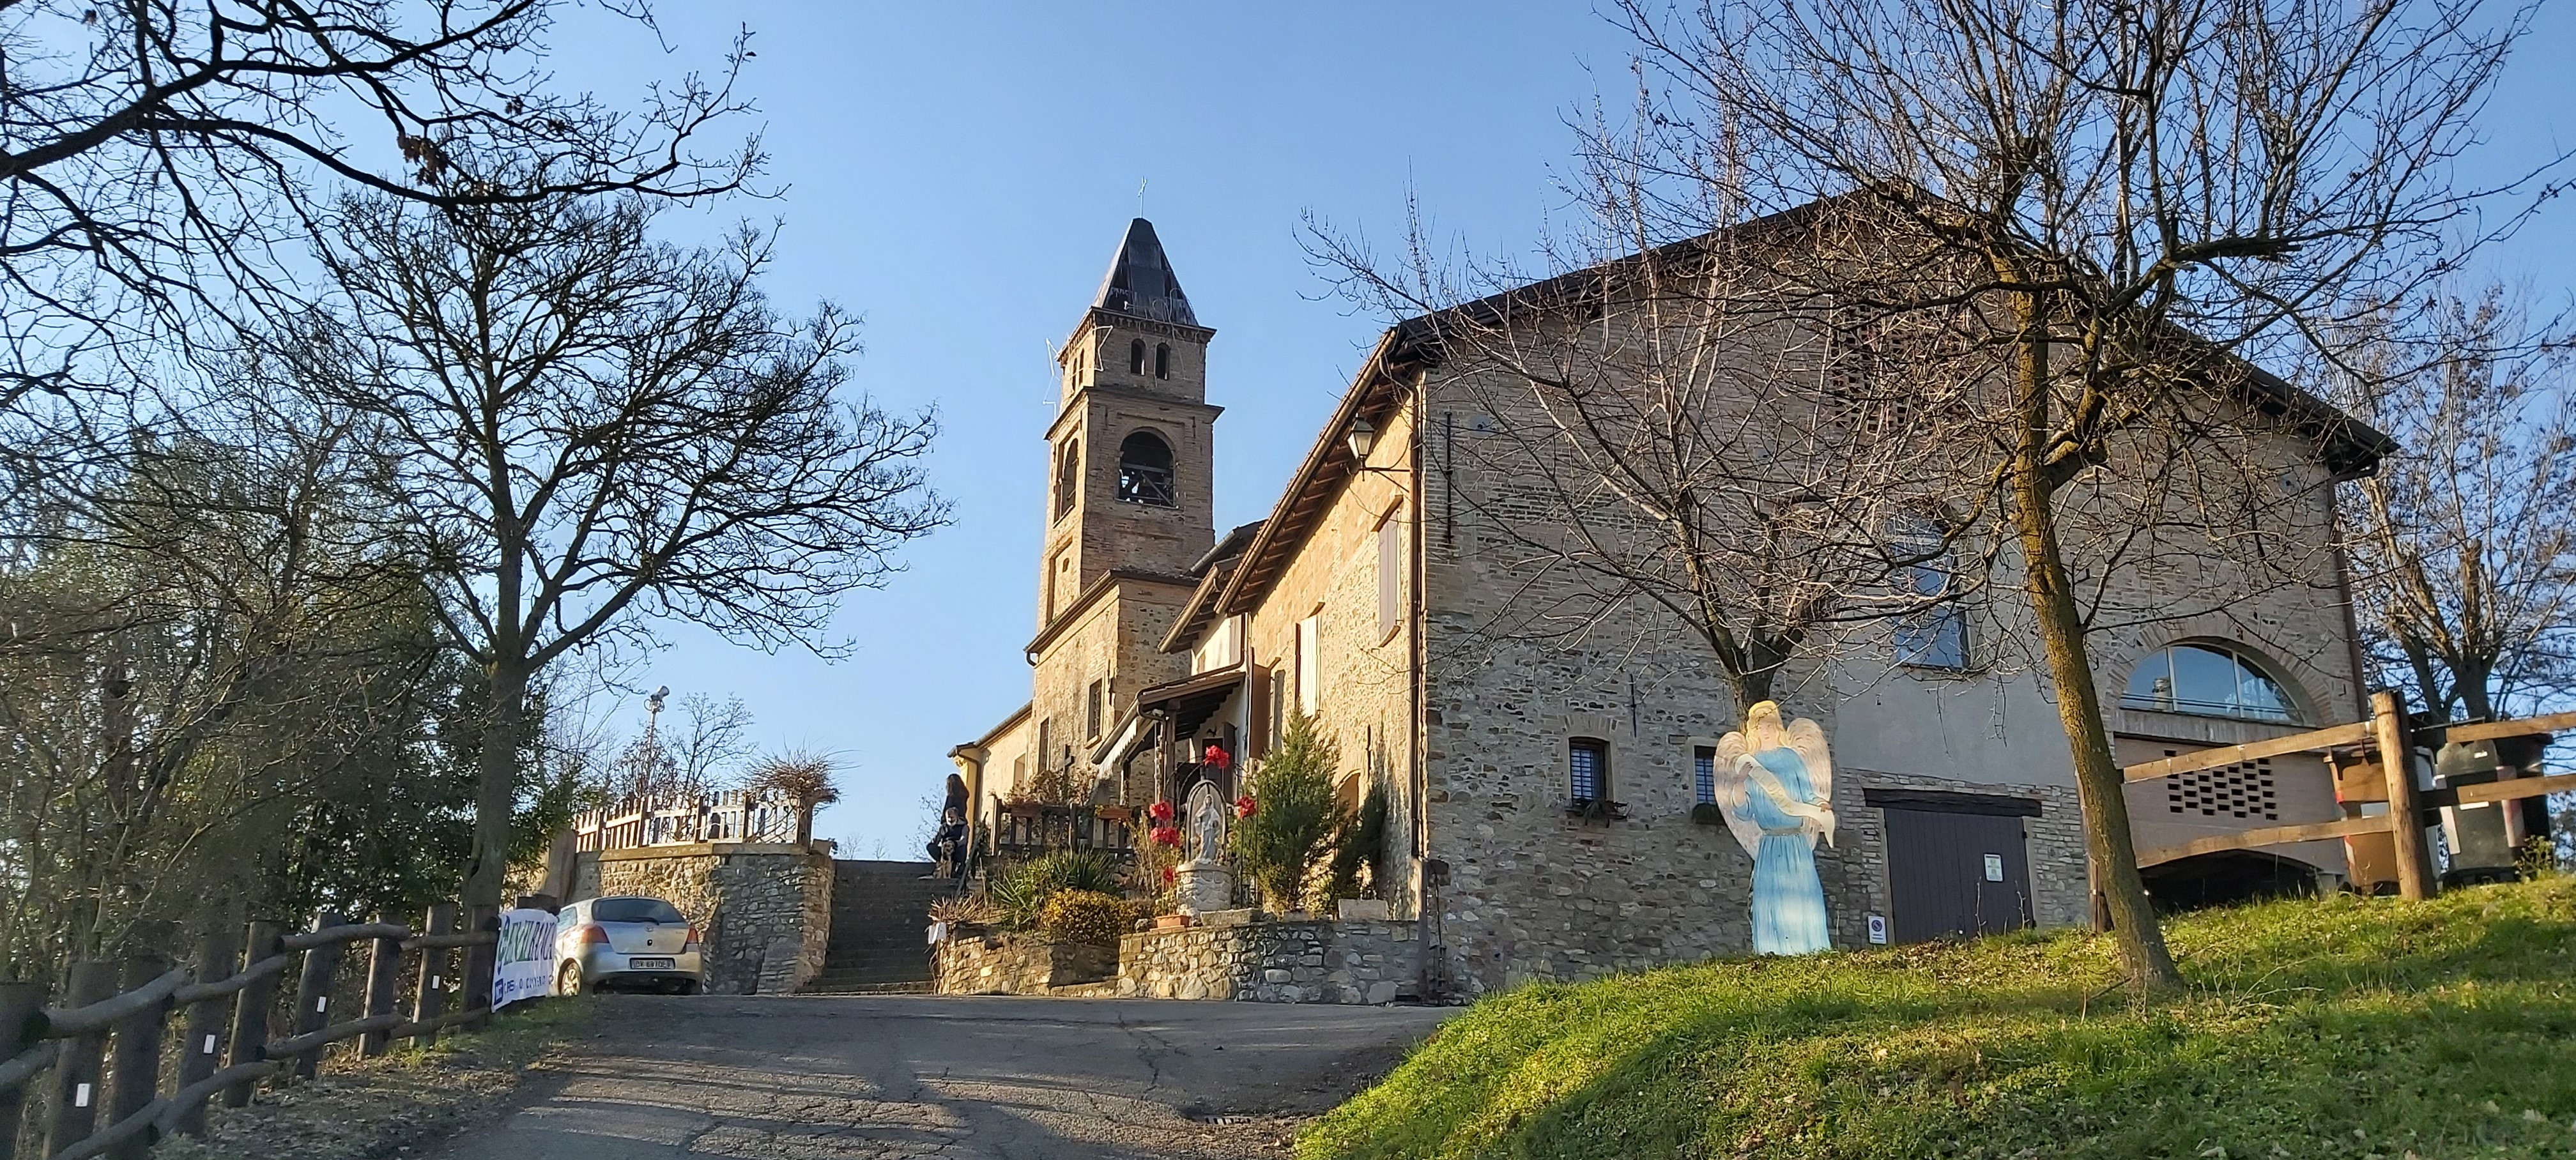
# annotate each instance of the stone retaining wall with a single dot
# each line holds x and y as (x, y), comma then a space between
(765, 909)
(997, 964)
(1316, 961)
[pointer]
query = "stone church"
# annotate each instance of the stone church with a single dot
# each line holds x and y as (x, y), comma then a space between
(1550, 800)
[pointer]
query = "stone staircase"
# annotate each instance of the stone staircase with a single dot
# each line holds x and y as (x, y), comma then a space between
(880, 919)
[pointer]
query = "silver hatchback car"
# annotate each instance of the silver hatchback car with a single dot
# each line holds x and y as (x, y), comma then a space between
(626, 941)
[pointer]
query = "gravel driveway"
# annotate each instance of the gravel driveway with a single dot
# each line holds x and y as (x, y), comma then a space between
(906, 1076)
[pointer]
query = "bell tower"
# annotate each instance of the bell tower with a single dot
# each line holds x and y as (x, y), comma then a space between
(1132, 446)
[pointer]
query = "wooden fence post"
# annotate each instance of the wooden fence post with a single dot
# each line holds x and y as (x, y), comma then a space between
(384, 978)
(201, 1050)
(19, 1003)
(431, 1000)
(478, 961)
(313, 995)
(2405, 813)
(75, 1108)
(136, 1074)
(251, 1008)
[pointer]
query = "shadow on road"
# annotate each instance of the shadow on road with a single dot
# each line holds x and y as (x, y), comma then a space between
(902, 1076)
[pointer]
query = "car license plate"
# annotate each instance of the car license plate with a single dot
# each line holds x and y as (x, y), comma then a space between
(649, 964)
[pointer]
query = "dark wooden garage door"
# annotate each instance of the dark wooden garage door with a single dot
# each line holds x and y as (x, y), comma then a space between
(1955, 874)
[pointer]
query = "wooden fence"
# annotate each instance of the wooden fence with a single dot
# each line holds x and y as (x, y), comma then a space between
(2386, 742)
(1026, 830)
(668, 820)
(102, 1046)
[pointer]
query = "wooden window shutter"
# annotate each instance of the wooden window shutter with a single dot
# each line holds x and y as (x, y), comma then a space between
(1257, 708)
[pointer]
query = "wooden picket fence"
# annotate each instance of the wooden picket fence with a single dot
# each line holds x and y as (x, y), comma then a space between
(102, 1047)
(676, 819)
(2383, 741)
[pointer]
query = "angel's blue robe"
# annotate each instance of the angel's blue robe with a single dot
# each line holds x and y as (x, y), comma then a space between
(1788, 899)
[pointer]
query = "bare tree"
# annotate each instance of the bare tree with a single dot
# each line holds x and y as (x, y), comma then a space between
(1684, 432)
(159, 159)
(585, 431)
(2464, 545)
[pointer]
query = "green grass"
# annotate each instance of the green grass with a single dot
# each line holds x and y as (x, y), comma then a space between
(2335, 1028)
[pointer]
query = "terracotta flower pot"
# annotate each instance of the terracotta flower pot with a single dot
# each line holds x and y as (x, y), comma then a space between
(1171, 921)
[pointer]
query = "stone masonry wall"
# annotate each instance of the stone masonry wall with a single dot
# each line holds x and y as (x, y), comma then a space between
(1365, 670)
(995, 964)
(764, 910)
(1319, 961)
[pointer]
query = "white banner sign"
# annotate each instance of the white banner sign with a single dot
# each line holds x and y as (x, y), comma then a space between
(524, 960)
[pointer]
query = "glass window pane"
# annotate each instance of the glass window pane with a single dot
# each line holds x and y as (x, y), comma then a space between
(1583, 761)
(2151, 687)
(1703, 774)
(2258, 697)
(635, 910)
(2204, 681)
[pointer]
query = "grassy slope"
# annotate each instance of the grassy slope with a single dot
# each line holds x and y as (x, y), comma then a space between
(2343, 1028)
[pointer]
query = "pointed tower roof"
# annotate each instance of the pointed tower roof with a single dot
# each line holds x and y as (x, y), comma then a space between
(1141, 282)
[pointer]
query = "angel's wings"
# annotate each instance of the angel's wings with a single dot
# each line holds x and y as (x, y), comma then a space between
(1735, 792)
(1764, 731)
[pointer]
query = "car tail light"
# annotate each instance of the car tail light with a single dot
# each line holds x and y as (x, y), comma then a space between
(592, 934)
(693, 934)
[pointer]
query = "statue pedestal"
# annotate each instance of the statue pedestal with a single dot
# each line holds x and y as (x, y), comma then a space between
(1204, 886)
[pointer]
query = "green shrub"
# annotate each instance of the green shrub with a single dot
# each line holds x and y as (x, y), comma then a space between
(1296, 814)
(1020, 894)
(1084, 916)
(1360, 845)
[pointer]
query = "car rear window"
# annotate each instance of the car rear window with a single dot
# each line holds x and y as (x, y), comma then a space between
(634, 910)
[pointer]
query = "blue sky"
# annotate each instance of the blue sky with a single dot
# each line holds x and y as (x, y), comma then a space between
(959, 173)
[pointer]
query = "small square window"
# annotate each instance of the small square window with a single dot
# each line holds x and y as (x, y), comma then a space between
(1703, 775)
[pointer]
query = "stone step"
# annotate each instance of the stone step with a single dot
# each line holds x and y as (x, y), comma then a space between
(835, 980)
(909, 987)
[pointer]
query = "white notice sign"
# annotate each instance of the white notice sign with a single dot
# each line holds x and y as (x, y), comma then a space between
(523, 961)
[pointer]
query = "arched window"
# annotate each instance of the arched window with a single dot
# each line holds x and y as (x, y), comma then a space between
(1068, 477)
(1136, 357)
(1145, 471)
(1162, 360)
(2208, 680)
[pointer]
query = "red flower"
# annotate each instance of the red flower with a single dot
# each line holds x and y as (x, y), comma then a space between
(1243, 807)
(1168, 835)
(1217, 756)
(1161, 811)
(1170, 875)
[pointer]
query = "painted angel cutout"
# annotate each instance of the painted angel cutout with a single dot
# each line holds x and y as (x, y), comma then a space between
(1775, 784)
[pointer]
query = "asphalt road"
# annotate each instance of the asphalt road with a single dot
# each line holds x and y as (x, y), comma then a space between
(924, 1076)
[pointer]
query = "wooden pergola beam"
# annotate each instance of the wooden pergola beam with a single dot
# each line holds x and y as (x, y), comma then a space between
(2519, 727)
(2353, 734)
(2266, 836)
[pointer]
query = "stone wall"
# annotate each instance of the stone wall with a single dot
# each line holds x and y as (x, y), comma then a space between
(764, 910)
(1317, 961)
(998, 964)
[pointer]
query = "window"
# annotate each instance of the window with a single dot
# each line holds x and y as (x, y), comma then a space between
(1145, 471)
(2208, 680)
(1068, 475)
(1092, 706)
(1703, 775)
(1935, 634)
(1587, 764)
(1310, 680)
(1136, 357)
(1390, 575)
(1162, 360)
(635, 910)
